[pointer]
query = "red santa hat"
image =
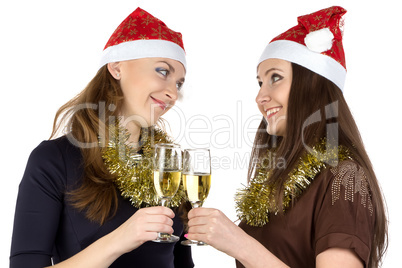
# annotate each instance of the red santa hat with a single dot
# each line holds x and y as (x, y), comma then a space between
(315, 43)
(142, 35)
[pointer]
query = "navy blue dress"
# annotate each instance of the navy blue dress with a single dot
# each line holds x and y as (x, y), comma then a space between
(47, 227)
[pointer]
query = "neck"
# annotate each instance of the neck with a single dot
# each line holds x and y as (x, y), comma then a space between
(134, 130)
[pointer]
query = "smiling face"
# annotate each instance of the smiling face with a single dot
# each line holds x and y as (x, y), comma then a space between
(275, 78)
(150, 87)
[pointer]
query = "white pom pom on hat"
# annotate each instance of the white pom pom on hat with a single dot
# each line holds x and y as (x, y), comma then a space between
(320, 40)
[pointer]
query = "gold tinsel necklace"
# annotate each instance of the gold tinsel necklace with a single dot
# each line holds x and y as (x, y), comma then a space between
(256, 202)
(133, 169)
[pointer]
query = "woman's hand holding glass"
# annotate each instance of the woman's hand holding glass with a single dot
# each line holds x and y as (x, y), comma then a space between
(167, 168)
(141, 227)
(214, 228)
(196, 180)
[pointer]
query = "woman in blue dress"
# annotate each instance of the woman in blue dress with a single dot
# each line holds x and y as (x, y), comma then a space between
(74, 208)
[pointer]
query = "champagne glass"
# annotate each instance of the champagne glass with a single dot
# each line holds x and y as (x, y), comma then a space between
(196, 180)
(167, 175)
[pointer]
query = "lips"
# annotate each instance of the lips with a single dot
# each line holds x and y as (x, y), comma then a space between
(160, 103)
(272, 111)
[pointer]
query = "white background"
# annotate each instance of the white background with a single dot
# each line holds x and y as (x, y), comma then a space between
(49, 51)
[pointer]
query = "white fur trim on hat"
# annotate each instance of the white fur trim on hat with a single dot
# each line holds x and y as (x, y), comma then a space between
(138, 49)
(300, 54)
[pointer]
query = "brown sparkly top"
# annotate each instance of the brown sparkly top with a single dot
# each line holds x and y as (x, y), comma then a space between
(336, 211)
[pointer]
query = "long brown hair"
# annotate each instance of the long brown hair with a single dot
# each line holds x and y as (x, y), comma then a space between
(313, 96)
(86, 116)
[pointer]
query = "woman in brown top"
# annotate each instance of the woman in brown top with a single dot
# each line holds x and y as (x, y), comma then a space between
(313, 199)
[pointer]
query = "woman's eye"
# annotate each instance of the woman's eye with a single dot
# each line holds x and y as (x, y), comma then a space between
(179, 85)
(260, 83)
(162, 71)
(275, 78)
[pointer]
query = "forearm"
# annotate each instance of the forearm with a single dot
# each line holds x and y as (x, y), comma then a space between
(142, 226)
(101, 253)
(253, 254)
(213, 227)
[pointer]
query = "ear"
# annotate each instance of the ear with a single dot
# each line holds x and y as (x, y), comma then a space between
(114, 69)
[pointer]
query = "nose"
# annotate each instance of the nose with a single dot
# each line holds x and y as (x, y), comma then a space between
(262, 96)
(171, 91)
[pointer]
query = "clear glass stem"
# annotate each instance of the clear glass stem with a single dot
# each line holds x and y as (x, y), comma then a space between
(165, 237)
(189, 242)
(196, 204)
(163, 203)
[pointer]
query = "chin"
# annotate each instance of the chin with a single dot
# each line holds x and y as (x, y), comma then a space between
(275, 132)
(153, 122)
(150, 121)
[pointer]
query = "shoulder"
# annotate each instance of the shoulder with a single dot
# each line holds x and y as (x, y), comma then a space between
(52, 147)
(52, 161)
(349, 183)
(51, 151)
(344, 215)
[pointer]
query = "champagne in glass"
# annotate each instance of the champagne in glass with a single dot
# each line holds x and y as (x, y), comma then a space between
(197, 187)
(196, 180)
(167, 176)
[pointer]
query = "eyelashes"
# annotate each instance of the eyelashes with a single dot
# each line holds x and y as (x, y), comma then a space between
(275, 78)
(179, 85)
(272, 80)
(162, 71)
(165, 73)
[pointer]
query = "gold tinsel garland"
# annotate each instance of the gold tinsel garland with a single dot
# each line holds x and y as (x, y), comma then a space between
(256, 202)
(133, 170)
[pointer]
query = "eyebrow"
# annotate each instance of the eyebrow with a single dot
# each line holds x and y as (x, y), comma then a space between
(270, 70)
(171, 68)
